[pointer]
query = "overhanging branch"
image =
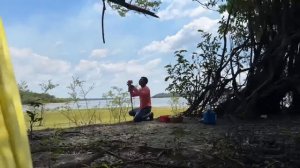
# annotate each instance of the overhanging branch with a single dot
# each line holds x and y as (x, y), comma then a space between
(133, 7)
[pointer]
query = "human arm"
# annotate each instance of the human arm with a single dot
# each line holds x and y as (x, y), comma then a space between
(134, 91)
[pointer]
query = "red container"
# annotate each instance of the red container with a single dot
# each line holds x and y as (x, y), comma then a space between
(164, 118)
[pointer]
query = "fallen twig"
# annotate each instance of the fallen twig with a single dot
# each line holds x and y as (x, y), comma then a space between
(69, 132)
(113, 154)
(139, 160)
(160, 154)
(238, 163)
(273, 163)
(235, 161)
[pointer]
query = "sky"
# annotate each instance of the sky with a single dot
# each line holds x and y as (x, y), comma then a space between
(60, 39)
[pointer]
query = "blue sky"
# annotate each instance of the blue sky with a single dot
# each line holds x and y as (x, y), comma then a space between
(58, 39)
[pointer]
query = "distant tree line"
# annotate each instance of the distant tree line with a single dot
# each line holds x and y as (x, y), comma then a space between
(162, 95)
(28, 96)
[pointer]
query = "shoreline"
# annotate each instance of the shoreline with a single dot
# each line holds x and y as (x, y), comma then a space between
(66, 119)
(90, 104)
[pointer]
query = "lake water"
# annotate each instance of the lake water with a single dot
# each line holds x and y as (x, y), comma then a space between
(156, 102)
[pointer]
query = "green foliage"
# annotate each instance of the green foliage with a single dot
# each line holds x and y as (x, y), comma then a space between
(206, 76)
(163, 95)
(181, 76)
(28, 96)
(190, 77)
(34, 114)
(176, 106)
(78, 93)
(118, 104)
(23, 86)
(258, 41)
(45, 88)
(48, 86)
(36, 101)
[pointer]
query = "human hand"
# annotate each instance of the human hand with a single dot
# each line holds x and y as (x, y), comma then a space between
(130, 87)
(129, 82)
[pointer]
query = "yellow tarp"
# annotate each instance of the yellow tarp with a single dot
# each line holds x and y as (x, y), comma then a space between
(14, 147)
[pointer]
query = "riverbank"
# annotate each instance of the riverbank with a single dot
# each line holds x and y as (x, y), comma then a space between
(156, 102)
(66, 119)
(240, 144)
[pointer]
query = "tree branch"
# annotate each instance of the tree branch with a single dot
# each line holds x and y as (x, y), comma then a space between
(103, 11)
(133, 7)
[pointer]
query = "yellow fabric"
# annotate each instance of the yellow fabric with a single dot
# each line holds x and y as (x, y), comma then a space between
(14, 146)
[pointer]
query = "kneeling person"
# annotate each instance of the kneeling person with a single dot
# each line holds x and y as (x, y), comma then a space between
(144, 112)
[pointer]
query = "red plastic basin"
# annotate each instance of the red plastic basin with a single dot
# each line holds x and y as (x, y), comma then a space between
(164, 118)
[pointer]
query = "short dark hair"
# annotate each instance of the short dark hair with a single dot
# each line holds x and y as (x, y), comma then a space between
(145, 79)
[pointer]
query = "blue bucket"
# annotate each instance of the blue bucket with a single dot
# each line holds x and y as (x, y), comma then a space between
(209, 117)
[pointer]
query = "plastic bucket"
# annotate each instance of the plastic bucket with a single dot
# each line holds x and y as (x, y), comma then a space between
(209, 117)
(164, 118)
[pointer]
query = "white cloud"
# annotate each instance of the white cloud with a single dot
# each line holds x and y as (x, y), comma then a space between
(108, 74)
(181, 9)
(185, 36)
(99, 53)
(114, 73)
(86, 66)
(20, 53)
(40, 64)
(35, 69)
(197, 11)
(132, 67)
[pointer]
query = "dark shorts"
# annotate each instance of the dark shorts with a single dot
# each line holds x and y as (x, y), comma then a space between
(140, 114)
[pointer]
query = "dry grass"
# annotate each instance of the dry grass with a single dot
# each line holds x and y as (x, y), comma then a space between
(56, 119)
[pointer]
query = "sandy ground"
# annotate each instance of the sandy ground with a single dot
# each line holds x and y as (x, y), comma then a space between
(260, 143)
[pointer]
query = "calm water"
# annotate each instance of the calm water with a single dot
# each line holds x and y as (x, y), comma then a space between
(156, 102)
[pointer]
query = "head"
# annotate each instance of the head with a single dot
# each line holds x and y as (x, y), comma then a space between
(143, 81)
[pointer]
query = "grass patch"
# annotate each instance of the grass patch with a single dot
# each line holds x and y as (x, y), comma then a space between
(56, 119)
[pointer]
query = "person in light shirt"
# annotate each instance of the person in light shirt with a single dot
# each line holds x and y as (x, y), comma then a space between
(143, 113)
